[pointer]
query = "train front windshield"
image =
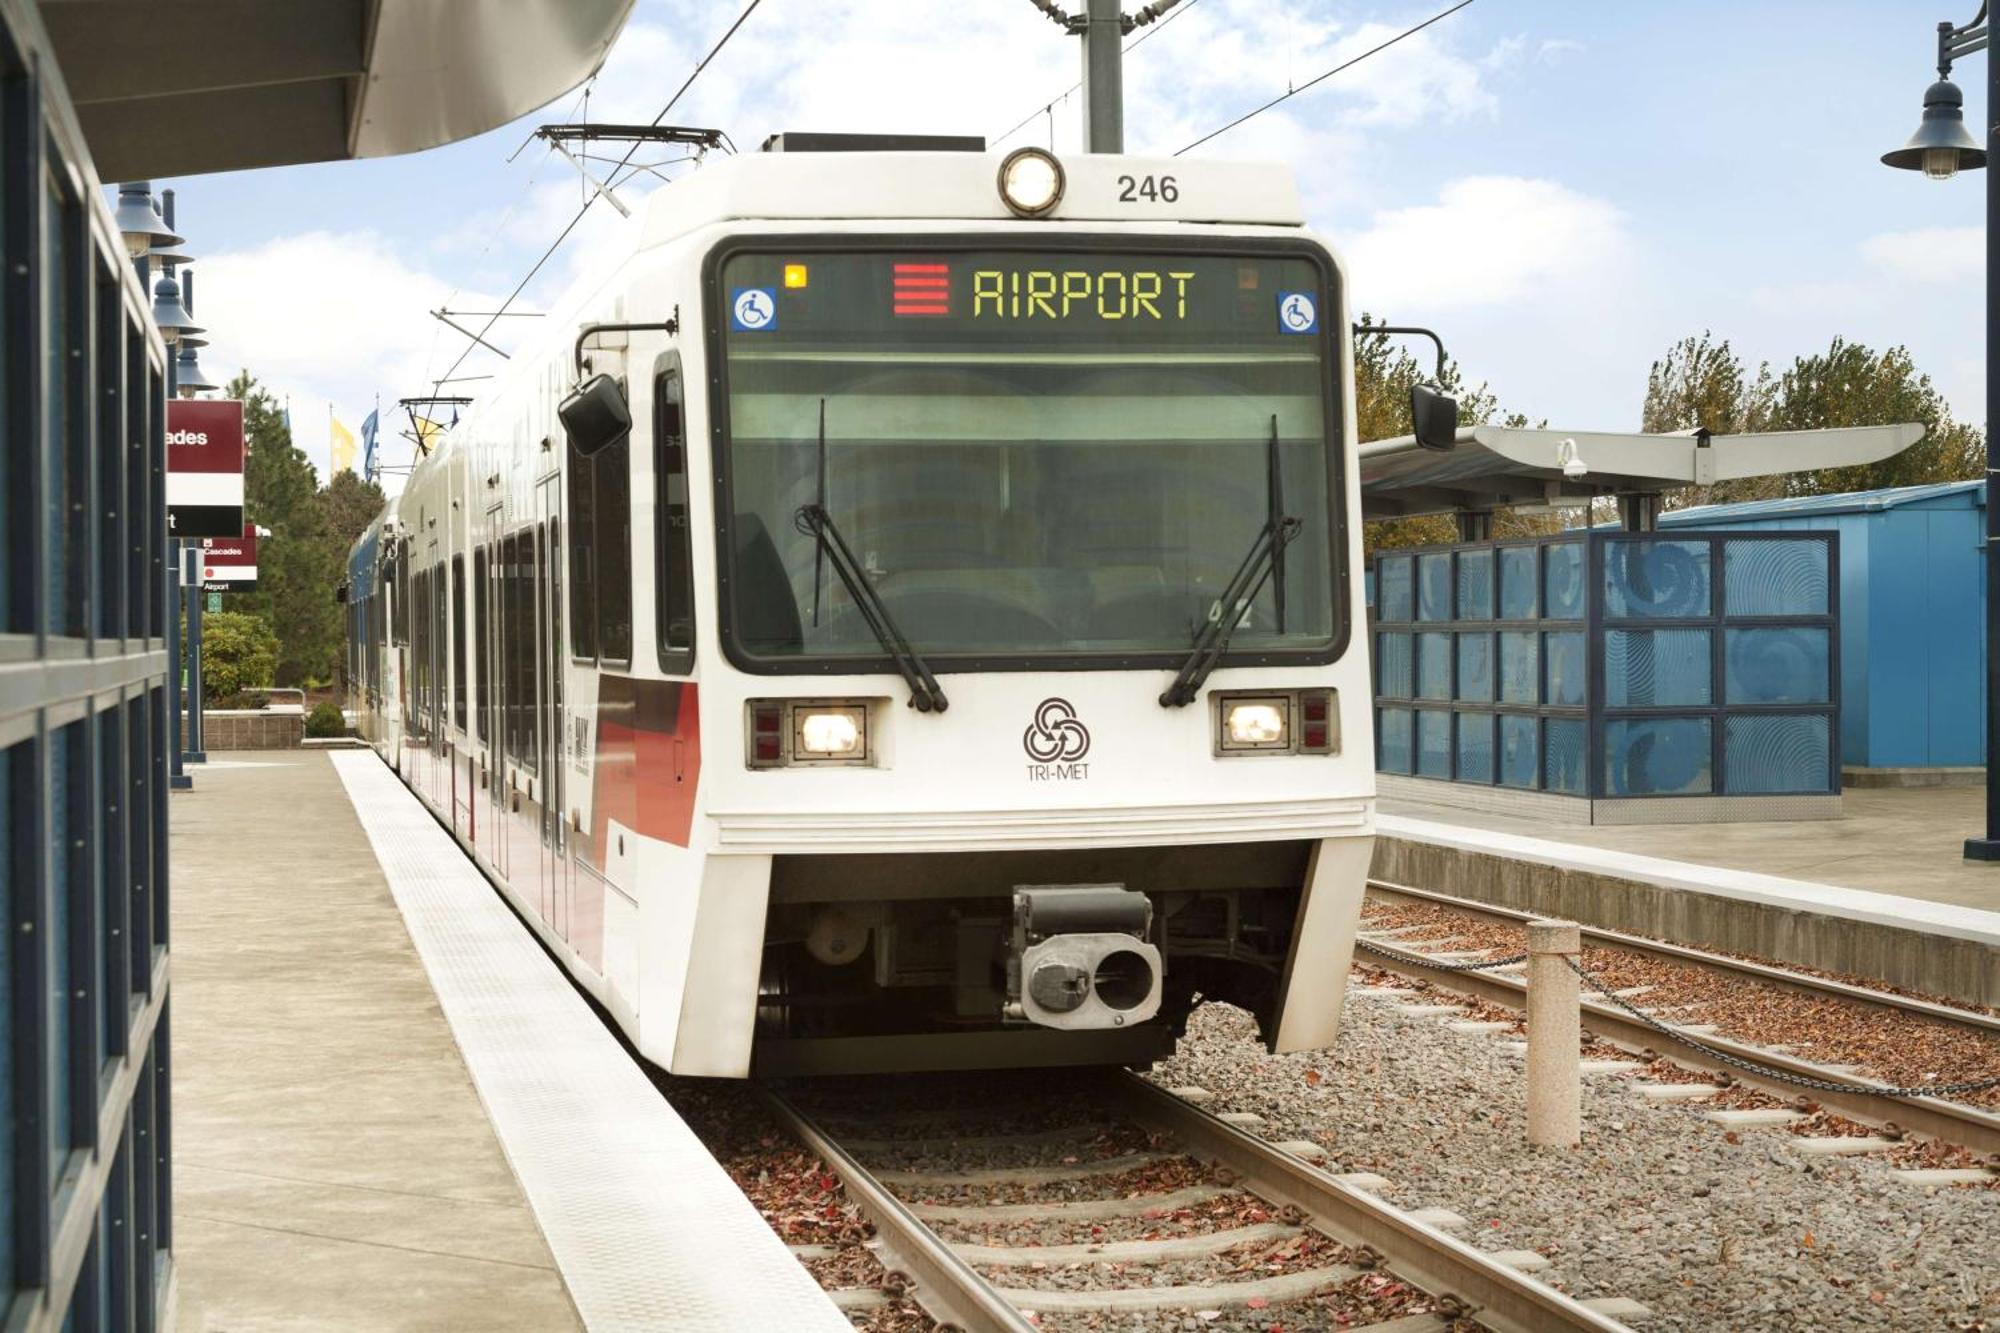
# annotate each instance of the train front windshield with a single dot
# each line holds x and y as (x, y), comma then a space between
(1031, 454)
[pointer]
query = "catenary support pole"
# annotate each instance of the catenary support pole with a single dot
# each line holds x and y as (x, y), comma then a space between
(1555, 1076)
(1988, 848)
(1104, 75)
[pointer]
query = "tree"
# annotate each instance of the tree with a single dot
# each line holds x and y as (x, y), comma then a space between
(298, 565)
(1701, 382)
(347, 506)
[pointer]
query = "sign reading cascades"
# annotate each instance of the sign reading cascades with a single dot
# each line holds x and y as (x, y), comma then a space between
(205, 467)
(1057, 742)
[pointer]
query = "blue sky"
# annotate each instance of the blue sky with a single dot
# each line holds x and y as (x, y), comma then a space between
(1560, 189)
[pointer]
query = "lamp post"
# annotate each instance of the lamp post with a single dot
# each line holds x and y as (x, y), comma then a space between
(1941, 148)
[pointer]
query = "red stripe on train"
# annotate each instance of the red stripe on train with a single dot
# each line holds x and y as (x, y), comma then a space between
(648, 762)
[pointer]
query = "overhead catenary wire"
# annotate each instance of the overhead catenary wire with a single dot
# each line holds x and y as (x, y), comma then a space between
(1290, 93)
(581, 212)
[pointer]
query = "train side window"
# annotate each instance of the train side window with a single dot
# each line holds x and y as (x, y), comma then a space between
(612, 541)
(582, 564)
(675, 609)
(458, 690)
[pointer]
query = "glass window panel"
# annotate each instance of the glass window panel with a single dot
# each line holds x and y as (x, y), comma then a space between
(1658, 756)
(1433, 744)
(1393, 731)
(1520, 597)
(1393, 597)
(1656, 577)
(1520, 666)
(1567, 669)
(1519, 750)
(1780, 577)
(67, 822)
(1434, 666)
(1563, 743)
(1434, 586)
(1791, 752)
(1475, 747)
(1562, 576)
(1776, 665)
(1475, 585)
(1475, 667)
(1655, 668)
(13, 881)
(1395, 665)
(57, 551)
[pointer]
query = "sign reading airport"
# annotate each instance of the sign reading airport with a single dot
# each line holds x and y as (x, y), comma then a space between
(229, 564)
(205, 468)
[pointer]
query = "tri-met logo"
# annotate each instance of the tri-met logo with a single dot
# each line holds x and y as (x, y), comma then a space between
(1057, 742)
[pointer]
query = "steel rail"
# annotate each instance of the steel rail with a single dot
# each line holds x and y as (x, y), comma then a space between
(1954, 1122)
(1712, 962)
(1499, 1297)
(946, 1286)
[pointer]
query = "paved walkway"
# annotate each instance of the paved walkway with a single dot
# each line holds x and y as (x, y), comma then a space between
(333, 1167)
(1907, 841)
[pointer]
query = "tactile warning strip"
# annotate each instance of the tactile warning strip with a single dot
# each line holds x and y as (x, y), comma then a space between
(647, 1229)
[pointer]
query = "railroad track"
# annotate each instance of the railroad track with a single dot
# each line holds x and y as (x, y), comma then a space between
(1340, 1231)
(1843, 1091)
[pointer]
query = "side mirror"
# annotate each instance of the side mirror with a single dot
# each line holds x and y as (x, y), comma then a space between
(595, 415)
(1434, 414)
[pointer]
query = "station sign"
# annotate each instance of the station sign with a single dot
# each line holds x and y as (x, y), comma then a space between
(229, 564)
(205, 468)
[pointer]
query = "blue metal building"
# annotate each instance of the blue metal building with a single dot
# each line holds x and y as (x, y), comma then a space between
(1911, 592)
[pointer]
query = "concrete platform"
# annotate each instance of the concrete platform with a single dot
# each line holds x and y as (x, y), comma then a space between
(395, 1112)
(333, 1167)
(1884, 892)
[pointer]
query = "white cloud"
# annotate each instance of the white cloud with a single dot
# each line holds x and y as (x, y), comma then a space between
(1929, 254)
(324, 319)
(1487, 240)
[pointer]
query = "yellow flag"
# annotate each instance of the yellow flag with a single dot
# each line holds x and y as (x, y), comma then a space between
(428, 432)
(343, 444)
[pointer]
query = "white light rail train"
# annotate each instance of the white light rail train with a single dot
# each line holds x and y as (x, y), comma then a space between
(907, 616)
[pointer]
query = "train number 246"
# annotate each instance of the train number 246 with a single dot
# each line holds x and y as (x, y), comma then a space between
(1152, 189)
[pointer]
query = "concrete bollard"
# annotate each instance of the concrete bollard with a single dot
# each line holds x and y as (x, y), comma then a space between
(1555, 1079)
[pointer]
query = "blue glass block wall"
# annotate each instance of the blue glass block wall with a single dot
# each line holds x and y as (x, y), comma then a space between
(1613, 665)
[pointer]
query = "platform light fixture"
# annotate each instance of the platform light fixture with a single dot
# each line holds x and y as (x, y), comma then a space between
(139, 223)
(1941, 148)
(169, 313)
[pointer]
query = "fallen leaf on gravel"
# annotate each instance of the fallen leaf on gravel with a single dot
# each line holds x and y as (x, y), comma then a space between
(1731, 1136)
(1808, 1241)
(1313, 1077)
(1258, 1302)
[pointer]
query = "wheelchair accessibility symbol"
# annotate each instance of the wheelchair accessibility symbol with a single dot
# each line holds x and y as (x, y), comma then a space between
(753, 310)
(1297, 313)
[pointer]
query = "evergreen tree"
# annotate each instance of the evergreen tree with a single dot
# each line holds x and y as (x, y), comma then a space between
(298, 565)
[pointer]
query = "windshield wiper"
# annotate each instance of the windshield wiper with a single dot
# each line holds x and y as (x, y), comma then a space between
(1264, 563)
(926, 695)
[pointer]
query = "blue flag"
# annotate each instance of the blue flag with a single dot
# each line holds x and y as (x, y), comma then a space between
(368, 446)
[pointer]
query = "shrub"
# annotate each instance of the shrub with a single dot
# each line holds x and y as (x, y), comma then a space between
(238, 653)
(326, 720)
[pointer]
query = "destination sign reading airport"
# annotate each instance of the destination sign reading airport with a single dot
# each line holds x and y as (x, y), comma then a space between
(205, 468)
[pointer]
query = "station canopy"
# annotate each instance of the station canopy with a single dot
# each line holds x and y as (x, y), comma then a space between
(1501, 467)
(180, 88)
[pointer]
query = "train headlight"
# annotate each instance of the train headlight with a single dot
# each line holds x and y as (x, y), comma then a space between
(1256, 724)
(1031, 182)
(833, 734)
(808, 733)
(1277, 722)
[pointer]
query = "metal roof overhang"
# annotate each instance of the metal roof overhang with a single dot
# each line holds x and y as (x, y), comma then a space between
(176, 89)
(1500, 467)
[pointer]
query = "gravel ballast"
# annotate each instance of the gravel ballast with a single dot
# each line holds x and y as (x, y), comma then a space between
(1710, 1228)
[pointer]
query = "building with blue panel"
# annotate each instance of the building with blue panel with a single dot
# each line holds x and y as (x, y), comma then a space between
(1912, 646)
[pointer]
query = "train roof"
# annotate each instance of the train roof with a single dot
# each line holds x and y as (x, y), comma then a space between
(959, 186)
